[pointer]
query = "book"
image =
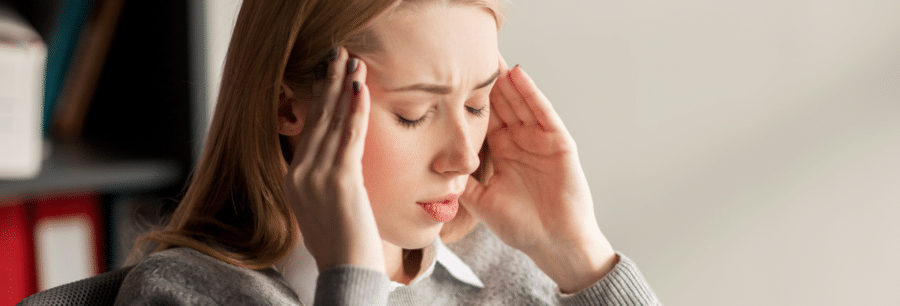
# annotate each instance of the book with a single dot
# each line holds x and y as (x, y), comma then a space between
(63, 38)
(68, 239)
(83, 74)
(17, 277)
(22, 62)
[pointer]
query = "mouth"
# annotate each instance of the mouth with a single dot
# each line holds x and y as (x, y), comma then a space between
(442, 209)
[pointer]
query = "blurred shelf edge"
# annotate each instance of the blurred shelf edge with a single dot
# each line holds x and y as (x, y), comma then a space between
(79, 167)
(150, 143)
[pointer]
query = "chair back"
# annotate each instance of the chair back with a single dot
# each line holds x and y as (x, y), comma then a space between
(99, 290)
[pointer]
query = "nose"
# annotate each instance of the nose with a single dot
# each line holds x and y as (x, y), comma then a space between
(459, 154)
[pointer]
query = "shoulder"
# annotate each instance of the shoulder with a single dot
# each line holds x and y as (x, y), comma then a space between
(184, 276)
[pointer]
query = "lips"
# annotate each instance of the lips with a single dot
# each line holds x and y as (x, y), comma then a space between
(442, 209)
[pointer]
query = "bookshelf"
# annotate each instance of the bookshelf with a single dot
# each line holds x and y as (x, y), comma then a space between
(142, 125)
(72, 167)
(137, 133)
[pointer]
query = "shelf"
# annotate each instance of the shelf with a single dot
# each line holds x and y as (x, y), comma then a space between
(72, 167)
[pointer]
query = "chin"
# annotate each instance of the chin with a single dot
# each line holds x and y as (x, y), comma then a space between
(412, 239)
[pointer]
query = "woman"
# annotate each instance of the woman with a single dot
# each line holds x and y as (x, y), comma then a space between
(370, 151)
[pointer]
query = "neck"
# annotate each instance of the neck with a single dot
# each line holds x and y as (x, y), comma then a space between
(401, 265)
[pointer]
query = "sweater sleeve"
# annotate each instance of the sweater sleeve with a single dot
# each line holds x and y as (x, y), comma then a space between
(351, 285)
(624, 285)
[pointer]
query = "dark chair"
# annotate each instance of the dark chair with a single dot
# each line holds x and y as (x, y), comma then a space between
(98, 290)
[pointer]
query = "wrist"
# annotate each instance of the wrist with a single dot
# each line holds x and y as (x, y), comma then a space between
(363, 253)
(576, 266)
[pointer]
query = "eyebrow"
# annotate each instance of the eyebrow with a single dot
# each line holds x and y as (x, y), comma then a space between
(444, 89)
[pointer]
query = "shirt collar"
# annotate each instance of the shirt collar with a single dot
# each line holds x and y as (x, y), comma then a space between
(459, 269)
(300, 272)
(438, 253)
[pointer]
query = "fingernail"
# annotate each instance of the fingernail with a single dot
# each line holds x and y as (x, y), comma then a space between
(354, 102)
(351, 65)
(509, 75)
(356, 87)
(319, 70)
(332, 54)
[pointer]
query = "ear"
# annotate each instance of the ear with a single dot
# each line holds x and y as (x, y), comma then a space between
(291, 112)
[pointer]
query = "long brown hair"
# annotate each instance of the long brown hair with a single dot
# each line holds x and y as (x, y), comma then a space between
(233, 208)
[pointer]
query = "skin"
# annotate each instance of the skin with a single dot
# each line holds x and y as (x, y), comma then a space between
(403, 165)
(358, 171)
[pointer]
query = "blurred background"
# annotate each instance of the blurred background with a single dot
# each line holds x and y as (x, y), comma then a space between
(741, 152)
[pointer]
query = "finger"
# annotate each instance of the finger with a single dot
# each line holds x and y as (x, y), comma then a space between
(331, 139)
(320, 72)
(357, 125)
(501, 110)
(315, 107)
(343, 104)
(321, 69)
(319, 120)
(515, 100)
(499, 104)
(335, 147)
(536, 101)
(494, 122)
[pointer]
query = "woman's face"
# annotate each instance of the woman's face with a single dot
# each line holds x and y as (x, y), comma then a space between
(429, 116)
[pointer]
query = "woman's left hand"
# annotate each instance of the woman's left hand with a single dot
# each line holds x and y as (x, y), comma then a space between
(537, 199)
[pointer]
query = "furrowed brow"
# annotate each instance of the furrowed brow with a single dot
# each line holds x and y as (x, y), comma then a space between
(443, 89)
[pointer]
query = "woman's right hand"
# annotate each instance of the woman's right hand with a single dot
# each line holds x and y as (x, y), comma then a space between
(324, 182)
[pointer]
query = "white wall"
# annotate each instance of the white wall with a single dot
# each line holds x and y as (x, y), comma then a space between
(742, 152)
(213, 22)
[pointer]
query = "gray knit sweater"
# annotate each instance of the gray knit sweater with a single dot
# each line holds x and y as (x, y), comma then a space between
(184, 276)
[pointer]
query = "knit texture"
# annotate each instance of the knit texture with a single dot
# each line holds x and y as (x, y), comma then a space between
(183, 276)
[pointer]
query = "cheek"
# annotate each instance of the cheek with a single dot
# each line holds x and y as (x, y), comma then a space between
(480, 127)
(389, 162)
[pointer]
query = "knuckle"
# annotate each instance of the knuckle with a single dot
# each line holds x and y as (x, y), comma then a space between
(352, 134)
(336, 123)
(324, 117)
(333, 77)
(309, 186)
(334, 178)
(343, 181)
(319, 177)
(292, 178)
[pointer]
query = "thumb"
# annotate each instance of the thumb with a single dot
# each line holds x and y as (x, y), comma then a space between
(471, 197)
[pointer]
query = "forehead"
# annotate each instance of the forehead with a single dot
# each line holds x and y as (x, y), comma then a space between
(442, 44)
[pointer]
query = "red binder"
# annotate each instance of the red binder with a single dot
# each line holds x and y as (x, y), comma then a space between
(17, 278)
(67, 239)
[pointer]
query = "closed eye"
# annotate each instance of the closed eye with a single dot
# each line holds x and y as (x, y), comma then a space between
(411, 123)
(476, 111)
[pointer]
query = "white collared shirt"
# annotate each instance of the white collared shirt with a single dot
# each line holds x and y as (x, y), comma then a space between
(300, 271)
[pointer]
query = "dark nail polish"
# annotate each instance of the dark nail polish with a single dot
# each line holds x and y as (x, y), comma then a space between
(352, 64)
(320, 70)
(332, 54)
(356, 87)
